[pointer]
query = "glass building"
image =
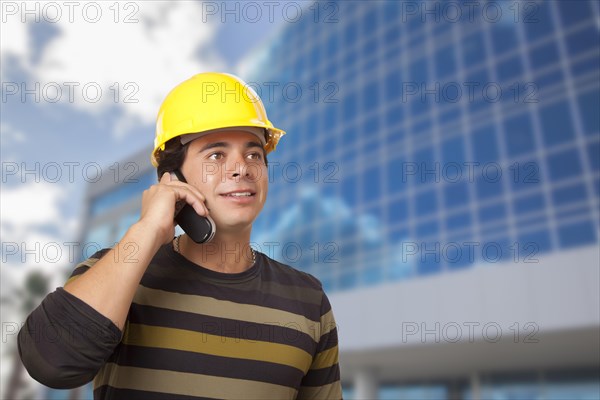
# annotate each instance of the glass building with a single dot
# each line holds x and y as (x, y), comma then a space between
(441, 177)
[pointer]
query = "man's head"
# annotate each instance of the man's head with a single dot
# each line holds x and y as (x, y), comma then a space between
(229, 169)
(212, 102)
(214, 129)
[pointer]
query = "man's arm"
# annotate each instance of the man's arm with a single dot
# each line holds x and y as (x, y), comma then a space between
(322, 380)
(65, 342)
(68, 338)
(109, 286)
(71, 334)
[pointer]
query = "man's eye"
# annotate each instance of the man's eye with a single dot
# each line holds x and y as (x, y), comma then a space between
(216, 156)
(255, 156)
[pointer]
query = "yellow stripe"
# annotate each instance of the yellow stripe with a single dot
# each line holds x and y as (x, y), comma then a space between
(331, 391)
(71, 279)
(184, 383)
(327, 323)
(87, 263)
(226, 309)
(326, 359)
(200, 342)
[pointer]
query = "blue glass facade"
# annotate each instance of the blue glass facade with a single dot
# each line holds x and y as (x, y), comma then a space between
(430, 138)
(131, 188)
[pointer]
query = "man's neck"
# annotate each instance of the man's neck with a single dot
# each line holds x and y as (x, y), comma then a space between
(226, 253)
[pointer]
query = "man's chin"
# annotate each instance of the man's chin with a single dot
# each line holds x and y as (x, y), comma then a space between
(234, 225)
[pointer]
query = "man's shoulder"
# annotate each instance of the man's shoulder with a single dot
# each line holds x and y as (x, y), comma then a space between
(286, 274)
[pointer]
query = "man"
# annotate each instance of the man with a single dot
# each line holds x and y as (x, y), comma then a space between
(162, 318)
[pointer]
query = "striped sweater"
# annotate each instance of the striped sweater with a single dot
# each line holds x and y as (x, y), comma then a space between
(265, 333)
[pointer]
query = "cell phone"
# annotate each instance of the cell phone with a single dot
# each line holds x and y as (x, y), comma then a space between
(200, 229)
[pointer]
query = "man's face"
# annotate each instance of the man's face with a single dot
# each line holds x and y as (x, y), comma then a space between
(229, 169)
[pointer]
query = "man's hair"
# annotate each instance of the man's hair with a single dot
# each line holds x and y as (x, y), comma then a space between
(172, 157)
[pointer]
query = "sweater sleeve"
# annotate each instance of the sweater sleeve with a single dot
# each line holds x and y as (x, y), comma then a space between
(64, 341)
(322, 380)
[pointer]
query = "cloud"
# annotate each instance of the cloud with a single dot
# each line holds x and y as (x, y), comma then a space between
(31, 205)
(129, 58)
(9, 135)
(14, 40)
(33, 227)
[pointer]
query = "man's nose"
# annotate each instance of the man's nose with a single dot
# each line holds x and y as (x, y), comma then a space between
(238, 167)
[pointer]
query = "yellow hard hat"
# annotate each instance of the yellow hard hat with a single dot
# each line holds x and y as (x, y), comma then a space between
(208, 102)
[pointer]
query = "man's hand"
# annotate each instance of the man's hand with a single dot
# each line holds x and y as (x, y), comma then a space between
(159, 203)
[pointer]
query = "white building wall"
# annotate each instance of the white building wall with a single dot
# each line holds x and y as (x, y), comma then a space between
(485, 318)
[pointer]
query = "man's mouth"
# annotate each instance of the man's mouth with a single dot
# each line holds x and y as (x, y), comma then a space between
(239, 193)
(243, 194)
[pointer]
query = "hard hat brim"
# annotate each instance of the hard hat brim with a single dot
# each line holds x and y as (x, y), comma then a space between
(273, 135)
(260, 133)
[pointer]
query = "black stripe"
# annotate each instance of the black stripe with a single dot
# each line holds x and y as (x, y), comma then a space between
(149, 315)
(100, 253)
(322, 376)
(271, 270)
(308, 295)
(79, 270)
(206, 364)
(286, 275)
(325, 304)
(327, 341)
(256, 296)
(82, 267)
(109, 392)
